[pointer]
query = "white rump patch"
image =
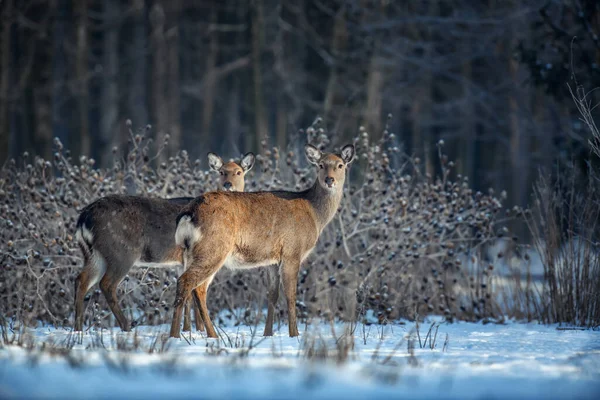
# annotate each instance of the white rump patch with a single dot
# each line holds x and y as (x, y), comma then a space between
(186, 231)
(84, 236)
(97, 269)
(96, 264)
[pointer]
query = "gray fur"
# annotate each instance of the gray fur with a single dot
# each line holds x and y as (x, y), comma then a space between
(114, 233)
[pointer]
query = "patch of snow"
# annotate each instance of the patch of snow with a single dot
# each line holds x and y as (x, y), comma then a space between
(479, 361)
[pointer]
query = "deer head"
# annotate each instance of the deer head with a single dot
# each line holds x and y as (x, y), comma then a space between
(232, 173)
(332, 167)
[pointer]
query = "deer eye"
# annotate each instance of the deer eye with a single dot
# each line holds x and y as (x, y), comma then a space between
(239, 172)
(341, 166)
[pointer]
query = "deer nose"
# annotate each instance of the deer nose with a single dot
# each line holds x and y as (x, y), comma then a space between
(329, 181)
(227, 185)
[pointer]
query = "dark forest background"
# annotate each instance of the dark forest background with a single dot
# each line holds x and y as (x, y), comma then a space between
(488, 77)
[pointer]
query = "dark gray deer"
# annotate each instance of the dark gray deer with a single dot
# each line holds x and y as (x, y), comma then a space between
(116, 233)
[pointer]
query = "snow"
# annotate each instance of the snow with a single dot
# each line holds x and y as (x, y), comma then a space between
(478, 361)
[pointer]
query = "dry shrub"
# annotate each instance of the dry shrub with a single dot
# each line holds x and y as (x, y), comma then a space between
(39, 205)
(564, 223)
(402, 244)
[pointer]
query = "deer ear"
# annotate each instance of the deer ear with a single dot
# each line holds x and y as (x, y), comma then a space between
(214, 162)
(247, 162)
(348, 153)
(312, 154)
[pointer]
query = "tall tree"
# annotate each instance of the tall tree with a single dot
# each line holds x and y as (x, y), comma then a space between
(173, 85)
(338, 47)
(59, 76)
(159, 72)
(210, 73)
(138, 95)
(5, 53)
(467, 132)
(281, 111)
(260, 122)
(81, 71)
(109, 119)
(375, 79)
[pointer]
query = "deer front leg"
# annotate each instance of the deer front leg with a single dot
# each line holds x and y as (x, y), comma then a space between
(108, 286)
(84, 281)
(289, 274)
(272, 297)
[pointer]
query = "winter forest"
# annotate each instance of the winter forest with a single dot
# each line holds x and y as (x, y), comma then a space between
(462, 257)
(489, 78)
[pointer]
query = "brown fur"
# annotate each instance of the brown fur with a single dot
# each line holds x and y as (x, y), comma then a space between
(114, 232)
(247, 230)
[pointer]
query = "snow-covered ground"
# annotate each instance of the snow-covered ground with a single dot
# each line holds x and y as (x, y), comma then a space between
(469, 361)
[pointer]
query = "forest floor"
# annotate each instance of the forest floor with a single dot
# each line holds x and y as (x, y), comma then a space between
(460, 360)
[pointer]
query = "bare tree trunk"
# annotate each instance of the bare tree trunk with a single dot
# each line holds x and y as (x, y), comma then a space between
(518, 141)
(157, 20)
(138, 110)
(260, 122)
(210, 77)
(43, 120)
(338, 44)
(294, 79)
(279, 68)
(58, 79)
(110, 90)
(466, 158)
(238, 133)
(421, 104)
(420, 112)
(373, 109)
(5, 51)
(43, 92)
(81, 71)
(543, 126)
(281, 121)
(234, 127)
(173, 87)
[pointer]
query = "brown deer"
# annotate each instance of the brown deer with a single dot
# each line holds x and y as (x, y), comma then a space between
(248, 230)
(116, 233)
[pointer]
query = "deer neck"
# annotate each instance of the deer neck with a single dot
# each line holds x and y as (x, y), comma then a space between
(324, 203)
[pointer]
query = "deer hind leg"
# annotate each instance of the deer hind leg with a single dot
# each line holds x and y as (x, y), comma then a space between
(185, 284)
(290, 280)
(272, 297)
(200, 298)
(108, 285)
(199, 273)
(187, 317)
(198, 318)
(205, 254)
(187, 314)
(93, 270)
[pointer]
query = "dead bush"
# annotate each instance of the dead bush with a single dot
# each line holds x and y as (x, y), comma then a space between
(564, 224)
(402, 244)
